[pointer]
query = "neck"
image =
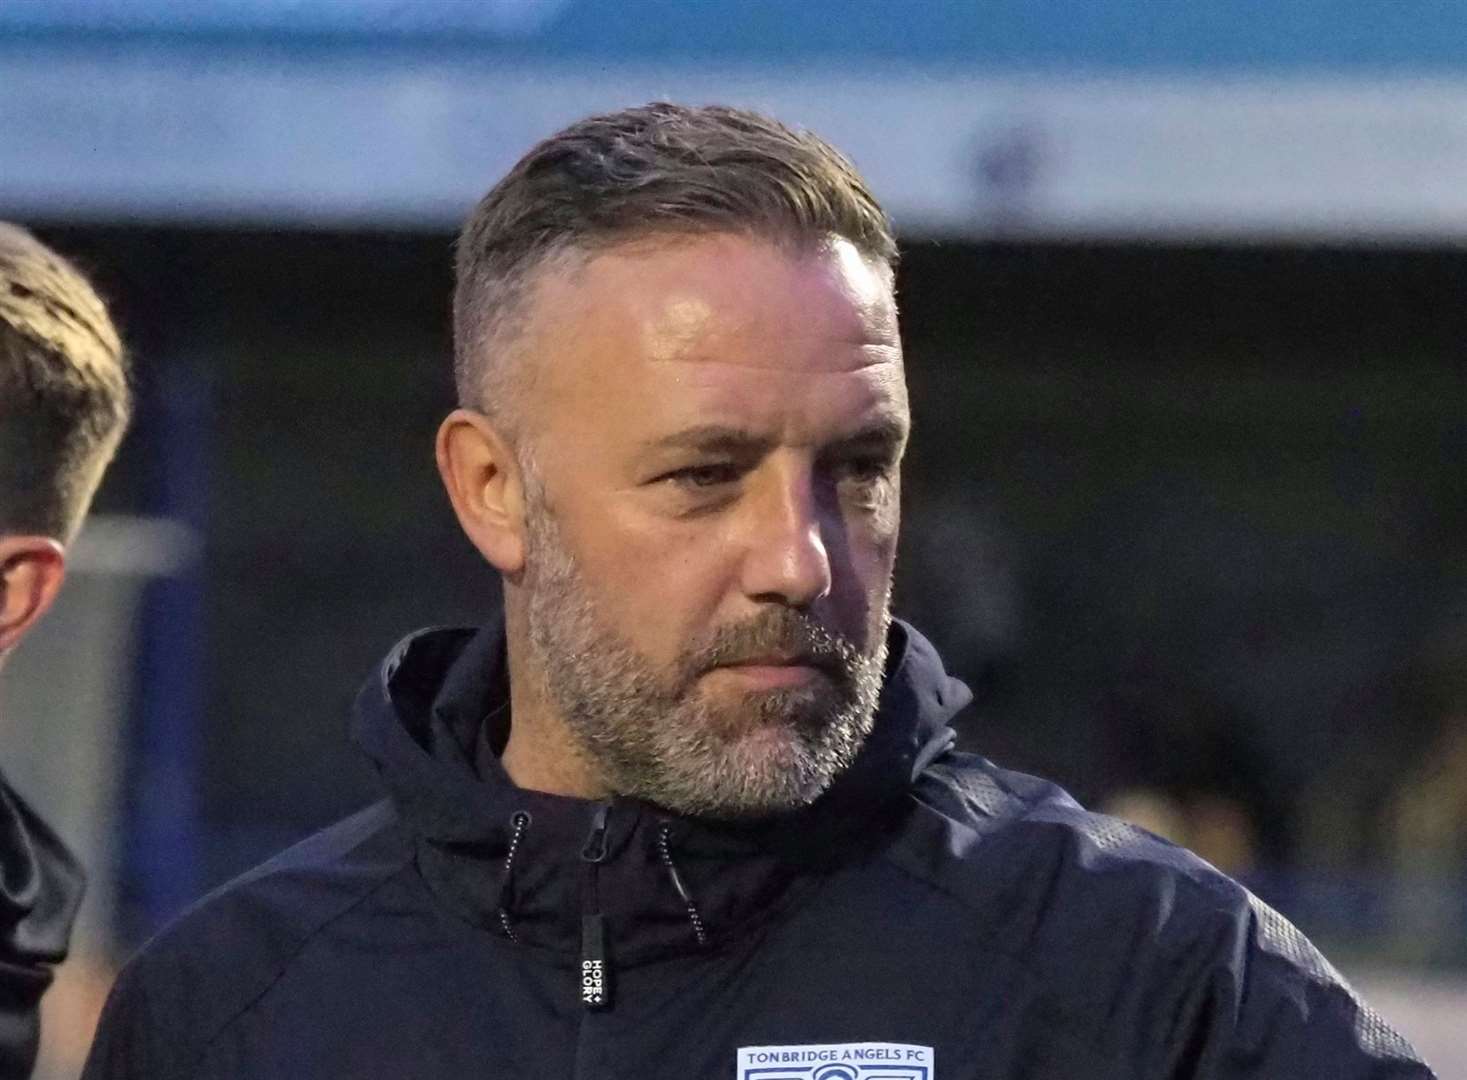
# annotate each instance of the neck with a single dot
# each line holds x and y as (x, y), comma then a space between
(541, 754)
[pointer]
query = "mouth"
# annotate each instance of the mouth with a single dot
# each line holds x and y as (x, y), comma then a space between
(774, 671)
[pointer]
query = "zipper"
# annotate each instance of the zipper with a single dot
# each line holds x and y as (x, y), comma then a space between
(595, 974)
(521, 822)
(664, 848)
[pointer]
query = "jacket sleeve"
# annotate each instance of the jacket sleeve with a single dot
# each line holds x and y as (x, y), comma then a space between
(1275, 1008)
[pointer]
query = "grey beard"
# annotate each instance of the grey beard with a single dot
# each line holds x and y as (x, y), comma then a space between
(653, 737)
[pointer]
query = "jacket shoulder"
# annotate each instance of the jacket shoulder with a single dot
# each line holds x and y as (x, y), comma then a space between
(1115, 921)
(226, 950)
(979, 800)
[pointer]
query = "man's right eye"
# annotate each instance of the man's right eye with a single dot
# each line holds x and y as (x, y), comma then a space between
(704, 476)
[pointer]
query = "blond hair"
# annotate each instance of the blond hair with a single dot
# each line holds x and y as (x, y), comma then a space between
(64, 398)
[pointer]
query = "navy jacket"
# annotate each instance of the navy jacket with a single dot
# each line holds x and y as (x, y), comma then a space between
(40, 889)
(931, 917)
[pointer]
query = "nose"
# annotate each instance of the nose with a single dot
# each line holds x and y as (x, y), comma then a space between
(786, 560)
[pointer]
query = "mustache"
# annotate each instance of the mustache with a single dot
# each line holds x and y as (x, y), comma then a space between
(780, 632)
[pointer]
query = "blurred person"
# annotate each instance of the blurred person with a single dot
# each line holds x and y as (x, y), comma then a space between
(1428, 818)
(691, 807)
(1426, 815)
(1176, 760)
(64, 404)
(1397, 822)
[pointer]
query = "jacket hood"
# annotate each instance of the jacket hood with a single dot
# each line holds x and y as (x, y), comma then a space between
(40, 886)
(40, 889)
(513, 860)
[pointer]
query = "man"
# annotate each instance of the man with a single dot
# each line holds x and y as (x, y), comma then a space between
(63, 406)
(692, 808)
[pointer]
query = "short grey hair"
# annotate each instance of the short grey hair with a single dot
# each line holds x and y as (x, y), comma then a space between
(647, 172)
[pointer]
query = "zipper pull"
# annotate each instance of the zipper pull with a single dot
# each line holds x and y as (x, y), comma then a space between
(595, 848)
(595, 971)
(595, 965)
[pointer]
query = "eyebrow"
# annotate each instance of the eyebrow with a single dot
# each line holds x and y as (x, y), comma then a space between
(887, 431)
(884, 431)
(713, 438)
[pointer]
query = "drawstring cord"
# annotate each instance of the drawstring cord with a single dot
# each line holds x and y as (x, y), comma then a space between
(521, 821)
(664, 848)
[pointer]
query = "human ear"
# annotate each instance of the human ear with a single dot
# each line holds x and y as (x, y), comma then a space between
(31, 570)
(484, 484)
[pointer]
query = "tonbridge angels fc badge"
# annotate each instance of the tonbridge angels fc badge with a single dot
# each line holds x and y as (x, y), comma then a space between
(837, 1061)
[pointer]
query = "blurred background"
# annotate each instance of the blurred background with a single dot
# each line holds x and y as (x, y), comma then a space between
(1183, 301)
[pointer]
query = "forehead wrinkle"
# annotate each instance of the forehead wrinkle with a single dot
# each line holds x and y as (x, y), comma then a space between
(689, 327)
(700, 338)
(775, 365)
(843, 302)
(893, 359)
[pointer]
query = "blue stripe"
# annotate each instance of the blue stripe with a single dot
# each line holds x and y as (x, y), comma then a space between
(1205, 36)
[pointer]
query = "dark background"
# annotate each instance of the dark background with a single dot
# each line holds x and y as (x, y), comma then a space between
(1188, 519)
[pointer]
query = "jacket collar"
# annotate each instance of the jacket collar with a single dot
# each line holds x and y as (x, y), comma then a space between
(515, 861)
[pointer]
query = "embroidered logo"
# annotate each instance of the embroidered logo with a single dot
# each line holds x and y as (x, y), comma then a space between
(837, 1061)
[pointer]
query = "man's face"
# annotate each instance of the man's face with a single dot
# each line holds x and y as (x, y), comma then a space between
(713, 506)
